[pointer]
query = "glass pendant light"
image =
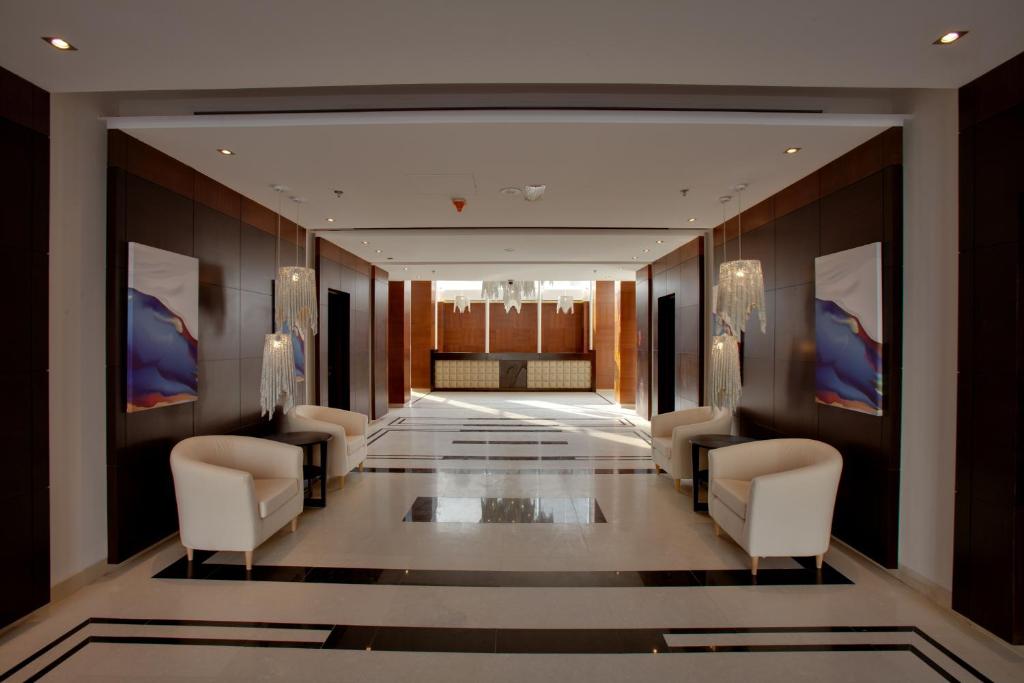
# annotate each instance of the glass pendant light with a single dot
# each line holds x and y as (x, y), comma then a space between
(511, 292)
(277, 380)
(726, 386)
(462, 303)
(295, 296)
(565, 304)
(741, 282)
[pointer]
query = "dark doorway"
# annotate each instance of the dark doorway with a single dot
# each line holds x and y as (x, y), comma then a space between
(337, 349)
(666, 353)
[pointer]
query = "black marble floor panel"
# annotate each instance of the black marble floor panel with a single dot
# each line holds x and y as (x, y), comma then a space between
(452, 509)
(488, 471)
(202, 569)
(508, 442)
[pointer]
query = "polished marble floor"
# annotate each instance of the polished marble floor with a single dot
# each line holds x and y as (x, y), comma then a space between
(501, 537)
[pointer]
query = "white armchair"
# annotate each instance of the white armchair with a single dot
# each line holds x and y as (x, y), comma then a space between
(234, 492)
(347, 448)
(776, 497)
(670, 437)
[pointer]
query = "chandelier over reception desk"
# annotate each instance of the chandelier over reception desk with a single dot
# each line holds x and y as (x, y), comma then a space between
(510, 292)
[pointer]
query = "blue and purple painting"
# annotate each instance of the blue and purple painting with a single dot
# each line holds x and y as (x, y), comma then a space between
(298, 352)
(848, 329)
(163, 328)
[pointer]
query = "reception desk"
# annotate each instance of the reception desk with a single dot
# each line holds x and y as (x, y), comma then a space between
(512, 371)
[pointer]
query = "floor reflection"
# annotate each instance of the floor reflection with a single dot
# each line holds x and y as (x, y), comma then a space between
(505, 510)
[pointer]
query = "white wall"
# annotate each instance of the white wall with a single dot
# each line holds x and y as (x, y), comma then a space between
(930, 234)
(78, 462)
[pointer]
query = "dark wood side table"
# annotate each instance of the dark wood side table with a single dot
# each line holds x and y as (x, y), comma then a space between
(310, 472)
(700, 477)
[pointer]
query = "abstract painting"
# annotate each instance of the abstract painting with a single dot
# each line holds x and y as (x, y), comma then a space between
(848, 329)
(299, 352)
(163, 328)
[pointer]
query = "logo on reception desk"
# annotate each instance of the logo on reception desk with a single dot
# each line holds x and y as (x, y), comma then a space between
(163, 328)
(848, 329)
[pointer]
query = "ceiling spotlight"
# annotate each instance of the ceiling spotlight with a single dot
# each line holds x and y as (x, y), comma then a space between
(225, 151)
(365, 242)
(793, 150)
(646, 251)
(661, 241)
(406, 268)
(691, 220)
(534, 193)
(59, 43)
(949, 38)
(379, 251)
(634, 258)
(330, 220)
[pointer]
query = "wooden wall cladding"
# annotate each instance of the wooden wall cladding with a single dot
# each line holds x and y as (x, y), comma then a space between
(155, 200)
(625, 342)
(563, 332)
(643, 343)
(514, 332)
(460, 332)
(341, 271)
(399, 342)
(604, 334)
(24, 235)
(422, 320)
(680, 273)
(988, 559)
(379, 342)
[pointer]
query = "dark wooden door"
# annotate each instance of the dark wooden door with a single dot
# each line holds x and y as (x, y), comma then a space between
(338, 375)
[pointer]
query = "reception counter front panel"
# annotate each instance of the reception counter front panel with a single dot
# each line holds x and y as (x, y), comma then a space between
(513, 371)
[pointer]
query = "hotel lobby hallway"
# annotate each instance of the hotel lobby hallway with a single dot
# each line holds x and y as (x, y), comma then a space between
(501, 537)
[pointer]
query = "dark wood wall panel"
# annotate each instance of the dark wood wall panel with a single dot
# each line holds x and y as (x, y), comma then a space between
(24, 235)
(563, 332)
(461, 332)
(422, 320)
(988, 561)
(399, 342)
(604, 334)
(156, 200)
(643, 348)
(379, 342)
(514, 332)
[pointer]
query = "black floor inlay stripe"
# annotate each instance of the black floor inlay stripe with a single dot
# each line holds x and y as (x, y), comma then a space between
(451, 509)
(509, 443)
(201, 569)
(508, 641)
(412, 456)
(488, 471)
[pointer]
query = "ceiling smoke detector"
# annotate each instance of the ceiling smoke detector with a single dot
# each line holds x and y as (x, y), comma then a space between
(533, 193)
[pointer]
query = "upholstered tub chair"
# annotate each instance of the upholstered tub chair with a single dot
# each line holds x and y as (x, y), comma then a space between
(670, 437)
(775, 498)
(347, 448)
(234, 492)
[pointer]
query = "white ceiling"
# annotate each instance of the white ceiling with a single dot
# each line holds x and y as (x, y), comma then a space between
(623, 176)
(199, 44)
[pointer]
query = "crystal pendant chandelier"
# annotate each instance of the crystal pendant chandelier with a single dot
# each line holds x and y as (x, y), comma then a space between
(741, 283)
(510, 292)
(726, 386)
(565, 304)
(277, 379)
(462, 304)
(295, 295)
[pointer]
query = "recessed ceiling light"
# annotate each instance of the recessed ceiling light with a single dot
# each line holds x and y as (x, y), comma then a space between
(949, 38)
(378, 251)
(59, 43)
(691, 220)
(406, 268)
(661, 241)
(793, 150)
(365, 242)
(646, 250)
(634, 258)
(330, 220)
(225, 151)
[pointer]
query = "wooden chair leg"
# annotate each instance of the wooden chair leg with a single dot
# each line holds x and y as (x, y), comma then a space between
(753, 565)
(718, 529)
(360, 467)
(248, 560)
(657, 468)
(819, 560)
(679, 485)
(295, 523)
(188, 552)
(341, 482)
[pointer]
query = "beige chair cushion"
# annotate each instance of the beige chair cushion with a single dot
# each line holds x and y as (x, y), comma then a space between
(273, 493)
(734, 494)
(355, 442)
(663, 444)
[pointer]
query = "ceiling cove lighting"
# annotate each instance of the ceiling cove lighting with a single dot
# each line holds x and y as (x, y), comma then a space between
(225, 151)
(950, 38)
(59, 43)
(793, 150)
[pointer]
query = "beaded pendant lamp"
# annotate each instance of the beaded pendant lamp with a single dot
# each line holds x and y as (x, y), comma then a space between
(510, 292)
(726, 385)
(741, 283)
(462, 304)
(295, 296)
(277, 379)
(565, 304)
